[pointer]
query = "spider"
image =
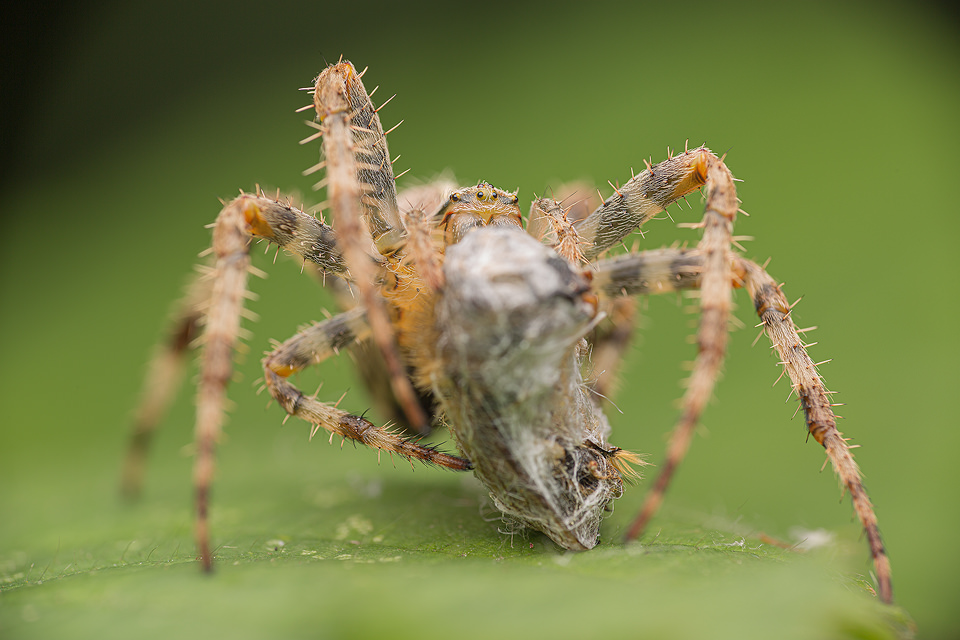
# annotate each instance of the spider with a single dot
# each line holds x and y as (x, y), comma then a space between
(464, 317)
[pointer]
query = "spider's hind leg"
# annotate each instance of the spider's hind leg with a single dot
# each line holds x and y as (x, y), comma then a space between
(161, 382)
(715, 270)
(774, 311)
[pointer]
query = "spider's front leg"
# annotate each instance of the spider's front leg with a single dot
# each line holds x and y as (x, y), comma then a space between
(360, 189)
(215, 304)
(645, 195)
(314, 345)
(231, 242)
(241, 220)
(642, 197)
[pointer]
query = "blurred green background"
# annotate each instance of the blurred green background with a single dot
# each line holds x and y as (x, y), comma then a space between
(124, 124)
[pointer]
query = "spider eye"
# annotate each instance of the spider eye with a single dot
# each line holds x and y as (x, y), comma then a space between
(455, 198)
(480, 194)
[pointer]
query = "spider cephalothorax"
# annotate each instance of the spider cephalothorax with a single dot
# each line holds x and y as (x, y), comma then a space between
(475, 207)
(464, 316)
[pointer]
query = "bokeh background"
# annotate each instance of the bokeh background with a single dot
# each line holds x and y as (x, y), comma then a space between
(124, 123)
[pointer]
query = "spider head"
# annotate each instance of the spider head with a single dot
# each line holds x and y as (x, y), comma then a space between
(474, 207)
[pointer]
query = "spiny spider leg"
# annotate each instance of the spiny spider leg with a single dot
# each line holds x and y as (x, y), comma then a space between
(231, 248)
(215, 300)
(648, 272)
(360, 176)
(554, 223)
(645, 195)
(608, 342)
(295, 231)
(774, 311)
(715, 303)
(315, 344)
(160, 385)
(664, 270)
(298, 233)
(637, 201)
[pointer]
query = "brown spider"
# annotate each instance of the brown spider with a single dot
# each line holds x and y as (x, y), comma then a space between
(460, 313)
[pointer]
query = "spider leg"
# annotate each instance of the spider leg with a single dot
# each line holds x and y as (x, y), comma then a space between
(315, 344)
(215, 302)
(360, 186)
(298, 233)
(774, 312)
(554, 223)
(665, 270)
(645, 195)
(649, 272)
(292, 229)
(231, 248)
(160, 384)
(419, 250)
(549, 223)
(638, 200)
(609, 341)
(715, 303)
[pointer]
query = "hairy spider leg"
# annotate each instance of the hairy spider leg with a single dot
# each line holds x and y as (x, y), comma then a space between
(315, 344)
(360, 186)
(580, 237)
(231, 248)
(293, 230)
(774, 311)
(715, 304)
(164, 374)
(642, 197)
(666, 270)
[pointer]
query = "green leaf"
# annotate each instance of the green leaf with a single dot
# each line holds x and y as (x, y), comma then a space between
(353, 550)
